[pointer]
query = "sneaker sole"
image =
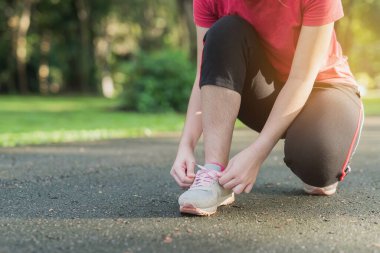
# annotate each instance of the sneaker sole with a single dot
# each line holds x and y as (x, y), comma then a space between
(190, 209)
(319, 191)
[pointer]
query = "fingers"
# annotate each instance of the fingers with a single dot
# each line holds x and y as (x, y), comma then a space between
(190, 165)
(178, 180)
(226, 177)
(239, 188)
(229, 181)
(248, 188)
(180, 172)
(231, 184)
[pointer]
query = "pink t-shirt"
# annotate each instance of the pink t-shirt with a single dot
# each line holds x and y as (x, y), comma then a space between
(278, 24)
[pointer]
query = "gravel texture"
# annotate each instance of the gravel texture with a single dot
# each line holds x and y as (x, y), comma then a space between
(118, 196)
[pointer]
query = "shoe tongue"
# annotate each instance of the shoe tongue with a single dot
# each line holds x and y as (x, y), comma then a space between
(211, 166)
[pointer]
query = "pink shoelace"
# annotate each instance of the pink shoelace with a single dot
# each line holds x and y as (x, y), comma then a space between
(204, 177)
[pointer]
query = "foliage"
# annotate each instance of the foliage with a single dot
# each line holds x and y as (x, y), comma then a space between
(359, 34)
(55, 46)
(159, 81)
(372, 106)
(69, 46)
(37, 120)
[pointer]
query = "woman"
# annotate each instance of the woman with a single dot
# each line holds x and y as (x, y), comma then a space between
(278, 67)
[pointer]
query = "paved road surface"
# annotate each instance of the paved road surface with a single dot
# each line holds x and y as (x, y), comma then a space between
(117, 196)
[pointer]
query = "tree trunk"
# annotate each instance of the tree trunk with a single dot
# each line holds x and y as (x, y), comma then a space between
(43, 70)
(83, 12)
(12, 83)
(21, 45)
(186, 17)
(103, 51)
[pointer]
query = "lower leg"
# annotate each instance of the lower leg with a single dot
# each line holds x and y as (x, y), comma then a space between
(220, 107)
(320, 141)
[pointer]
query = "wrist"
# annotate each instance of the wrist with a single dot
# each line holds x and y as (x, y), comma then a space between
(187, 144)
(261, 148)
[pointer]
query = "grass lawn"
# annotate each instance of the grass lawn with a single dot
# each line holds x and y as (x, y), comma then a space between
(37, 120)
(372, 106)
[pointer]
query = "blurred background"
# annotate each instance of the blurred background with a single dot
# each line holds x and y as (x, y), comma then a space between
(79, 70)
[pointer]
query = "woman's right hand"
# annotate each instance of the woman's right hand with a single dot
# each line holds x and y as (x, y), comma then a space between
(183, 167)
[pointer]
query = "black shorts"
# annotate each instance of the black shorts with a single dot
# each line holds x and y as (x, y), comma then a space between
(320, 142)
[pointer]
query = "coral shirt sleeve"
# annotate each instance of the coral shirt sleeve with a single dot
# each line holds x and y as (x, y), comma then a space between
(203, 14)
(321, 12)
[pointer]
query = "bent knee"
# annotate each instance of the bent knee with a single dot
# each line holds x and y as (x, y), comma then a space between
(315, 168)
(229, 28)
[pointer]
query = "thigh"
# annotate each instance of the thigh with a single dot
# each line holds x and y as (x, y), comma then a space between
(258, 98)
(261, 87)
(321, 140)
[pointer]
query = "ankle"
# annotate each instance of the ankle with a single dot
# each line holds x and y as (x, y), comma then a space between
(221, 166)
(214, 166)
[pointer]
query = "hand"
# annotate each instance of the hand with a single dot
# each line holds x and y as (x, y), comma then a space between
(183, 167)
(241, 171)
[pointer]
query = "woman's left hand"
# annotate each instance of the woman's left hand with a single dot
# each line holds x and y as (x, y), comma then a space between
(241, 171)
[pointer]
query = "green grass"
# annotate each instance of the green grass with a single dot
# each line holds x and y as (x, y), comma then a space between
(372, 106)
(38, 120)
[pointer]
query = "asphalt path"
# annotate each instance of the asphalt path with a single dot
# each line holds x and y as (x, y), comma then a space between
(118, 196)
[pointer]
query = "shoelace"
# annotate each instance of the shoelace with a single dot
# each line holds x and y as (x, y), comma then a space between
(204, 177)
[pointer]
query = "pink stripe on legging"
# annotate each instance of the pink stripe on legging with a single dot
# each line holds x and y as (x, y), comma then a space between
(352, 146)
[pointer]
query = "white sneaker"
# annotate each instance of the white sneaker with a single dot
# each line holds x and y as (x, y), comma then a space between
(205, 194)
(327, 190)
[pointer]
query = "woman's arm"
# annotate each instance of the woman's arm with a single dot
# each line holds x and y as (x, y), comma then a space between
(193, 124)
(183, 167)
(311, 51)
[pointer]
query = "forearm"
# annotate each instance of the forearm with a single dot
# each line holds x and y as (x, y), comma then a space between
(311, 52)
(193, 124)
(288, 104)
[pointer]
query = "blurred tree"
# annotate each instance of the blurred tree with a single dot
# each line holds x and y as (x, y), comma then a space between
(15, 24)
(359, 35)
(186, 16)
(85, 27)
(22, 20)
(68, 52)
(56, 46)
(7, 59)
